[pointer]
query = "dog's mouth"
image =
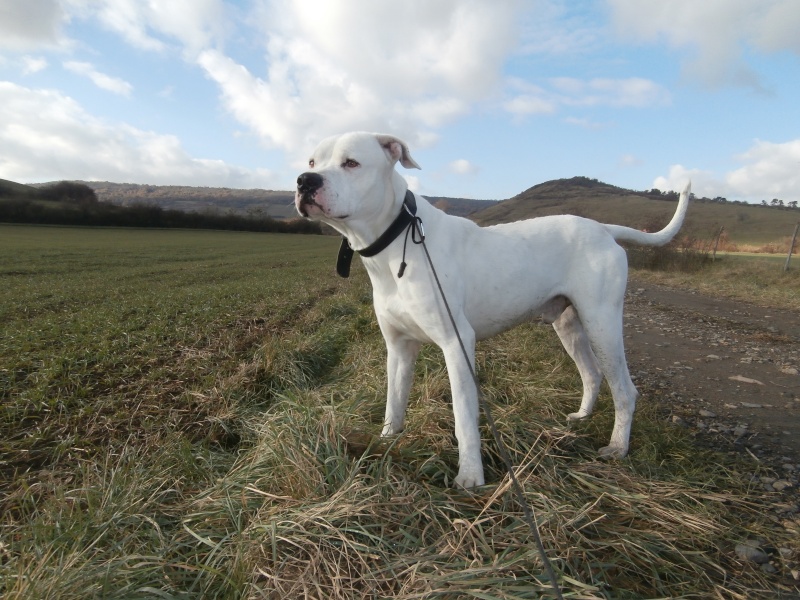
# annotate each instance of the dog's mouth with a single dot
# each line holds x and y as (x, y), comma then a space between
(307, 206)
(308, 184)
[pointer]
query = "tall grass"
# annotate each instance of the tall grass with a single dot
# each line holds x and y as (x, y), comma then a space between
(196, 416)
(754, 279)
(687, 255)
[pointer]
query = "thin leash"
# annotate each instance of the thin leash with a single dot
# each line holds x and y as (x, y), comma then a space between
(418, 237)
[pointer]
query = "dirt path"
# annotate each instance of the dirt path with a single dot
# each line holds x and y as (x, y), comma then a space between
(725, 369)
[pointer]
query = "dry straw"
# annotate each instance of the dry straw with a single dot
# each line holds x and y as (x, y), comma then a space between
(265, 478)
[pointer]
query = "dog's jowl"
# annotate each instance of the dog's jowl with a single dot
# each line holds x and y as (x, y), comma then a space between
(565, 269)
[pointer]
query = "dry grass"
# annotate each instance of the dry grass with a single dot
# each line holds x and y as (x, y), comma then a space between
(258, 474)
(758, 280)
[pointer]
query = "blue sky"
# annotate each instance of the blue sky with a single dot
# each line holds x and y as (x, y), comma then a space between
(492, 96)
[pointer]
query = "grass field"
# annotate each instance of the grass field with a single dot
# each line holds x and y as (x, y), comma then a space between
(193, 415)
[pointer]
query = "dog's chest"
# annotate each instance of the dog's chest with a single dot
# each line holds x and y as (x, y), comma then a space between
(411, 318)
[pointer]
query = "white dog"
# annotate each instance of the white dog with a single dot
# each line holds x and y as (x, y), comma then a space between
(567, 270)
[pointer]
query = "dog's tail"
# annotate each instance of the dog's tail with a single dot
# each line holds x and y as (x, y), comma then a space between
(659, 238)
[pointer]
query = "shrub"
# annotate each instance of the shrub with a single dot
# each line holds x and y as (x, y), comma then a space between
(687, 254)
(69, 191)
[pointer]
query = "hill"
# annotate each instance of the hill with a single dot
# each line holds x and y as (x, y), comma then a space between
(17, 190)
(744, 223)
(275, 204)
(74, 203)
(461, 207)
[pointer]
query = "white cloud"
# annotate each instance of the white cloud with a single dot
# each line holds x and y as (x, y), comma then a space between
(334, 66)
(586, 123)
(413, 183)
(527, 104)
(526, 99)
(463, 167)
(64, 142)
(30, 24)
(33, 64)
(717, 31)
(632, 92)
(196, 24)
(560, 28)
(769, 170)
(101, 80)
(629, 160)
(704, 183)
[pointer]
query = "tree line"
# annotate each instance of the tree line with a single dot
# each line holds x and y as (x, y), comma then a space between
(669, 195)
(71, 203)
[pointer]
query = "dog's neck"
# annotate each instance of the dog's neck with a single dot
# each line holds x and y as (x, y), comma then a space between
(396, 228)
(407, 212)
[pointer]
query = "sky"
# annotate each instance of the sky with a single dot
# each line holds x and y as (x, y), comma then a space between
(492, 96)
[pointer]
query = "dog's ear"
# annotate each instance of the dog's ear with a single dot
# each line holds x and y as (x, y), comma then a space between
(398, 150)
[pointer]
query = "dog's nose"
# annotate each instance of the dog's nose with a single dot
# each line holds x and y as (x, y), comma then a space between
(308, 183)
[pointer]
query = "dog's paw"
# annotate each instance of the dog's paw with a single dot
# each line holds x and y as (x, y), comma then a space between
(389, 431)
(577, 416)
(469, 479)
(612, 452)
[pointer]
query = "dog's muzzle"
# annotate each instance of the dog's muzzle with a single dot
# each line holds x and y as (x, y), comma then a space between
(307, 185)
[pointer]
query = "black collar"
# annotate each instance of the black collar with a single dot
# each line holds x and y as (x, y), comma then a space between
(398, 226)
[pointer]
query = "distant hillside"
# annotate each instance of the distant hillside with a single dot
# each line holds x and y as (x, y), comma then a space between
(461, 207)
(17, 190)
(745, 223)
(75, 203)
(275, 204)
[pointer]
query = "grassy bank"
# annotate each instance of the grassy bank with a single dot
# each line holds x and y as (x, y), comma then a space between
(756, 278)
(193, 415)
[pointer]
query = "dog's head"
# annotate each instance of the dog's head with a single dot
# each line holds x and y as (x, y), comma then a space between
(351, 180)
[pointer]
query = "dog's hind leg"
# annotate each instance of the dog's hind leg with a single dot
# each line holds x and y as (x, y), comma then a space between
(401, 355)
(603, 326)
(570, 331)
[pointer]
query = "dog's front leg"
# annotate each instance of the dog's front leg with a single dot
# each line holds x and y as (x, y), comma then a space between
(401, 354)
(465, 408)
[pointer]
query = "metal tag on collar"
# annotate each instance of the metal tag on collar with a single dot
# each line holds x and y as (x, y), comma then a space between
(416, 222)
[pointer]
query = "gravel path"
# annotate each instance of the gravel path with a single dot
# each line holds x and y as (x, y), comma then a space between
(730, 373)
(727, 371)
(723, 368)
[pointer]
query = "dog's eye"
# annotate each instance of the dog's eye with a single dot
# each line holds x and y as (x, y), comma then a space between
(311, 163)
(350, 164)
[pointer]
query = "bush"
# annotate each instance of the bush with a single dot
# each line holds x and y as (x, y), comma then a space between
(79, 210)
(69, 191)
(687, 254)
(780, 247)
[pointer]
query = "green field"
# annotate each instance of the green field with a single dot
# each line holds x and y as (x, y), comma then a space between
(193, 415)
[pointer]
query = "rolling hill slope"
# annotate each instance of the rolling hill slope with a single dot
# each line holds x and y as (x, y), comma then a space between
(745, 223)
(275, 204)
(17, 190)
